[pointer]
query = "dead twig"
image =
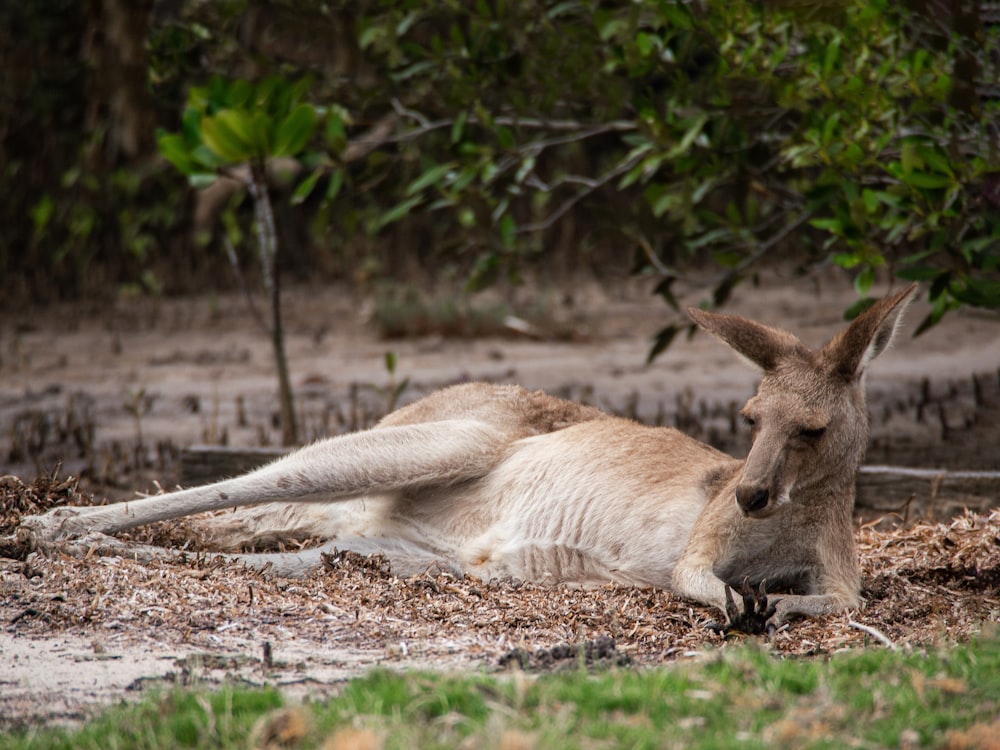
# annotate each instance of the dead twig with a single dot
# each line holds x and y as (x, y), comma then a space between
(878, 635)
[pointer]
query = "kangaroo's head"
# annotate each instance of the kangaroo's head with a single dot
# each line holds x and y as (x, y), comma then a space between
(809, 418)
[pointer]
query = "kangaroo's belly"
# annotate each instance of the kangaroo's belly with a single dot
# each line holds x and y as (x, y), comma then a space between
(587, 504)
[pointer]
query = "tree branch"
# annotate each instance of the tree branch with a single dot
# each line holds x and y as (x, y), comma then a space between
(591, 186)
(531, 123)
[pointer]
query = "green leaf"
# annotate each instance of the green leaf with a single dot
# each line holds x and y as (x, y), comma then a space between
(508, 229)
(940, 285)
(230, 135)
(305, 188)
(262, 127)
(830, 127)
(335, 131)
(677, 14)
(467, 217)
(458, 127)
(239, 94)
(693, 131)
(916, 257)
(369, 35)
(857, 308)
(870, 200)
(398, 211)
(935, 159)
(941, 305)
(268, 93)
(728, 258)
(463, 180)
(909, 159)
(832, 56)
(645, 43)
(429, 177)
(846, 260)
(863, 282)
(206, 159)
(979, 292)
(300, 88)
(197, 101)
(918, 273)
(336, 182)
(41, 213)
(724, 289)
(484, 272)
(505, 137)
(662, 198)
(611, 27)
(927, 180)
(216, 93)
(664, 290)
(201, 180)
(709, 237)
(662, 342)
(835, 226)
(174, 149)
(527, 166)
(295, 131)
(191, 125)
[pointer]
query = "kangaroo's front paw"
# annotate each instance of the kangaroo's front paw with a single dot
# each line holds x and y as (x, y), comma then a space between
(756, 615)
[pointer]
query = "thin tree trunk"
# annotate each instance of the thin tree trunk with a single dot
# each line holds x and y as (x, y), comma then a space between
(267, 240)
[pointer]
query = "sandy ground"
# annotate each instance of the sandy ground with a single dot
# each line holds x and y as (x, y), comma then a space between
(79, 386)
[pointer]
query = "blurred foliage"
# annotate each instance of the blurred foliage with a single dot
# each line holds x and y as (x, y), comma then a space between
(239, 122)
(679, 139)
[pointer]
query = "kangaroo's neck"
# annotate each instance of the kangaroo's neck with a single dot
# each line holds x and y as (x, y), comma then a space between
(836, 473)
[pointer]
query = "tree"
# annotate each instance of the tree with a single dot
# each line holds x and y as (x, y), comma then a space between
(235, 128)
(727, 132)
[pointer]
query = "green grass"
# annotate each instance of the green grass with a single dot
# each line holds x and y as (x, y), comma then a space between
(743, 698)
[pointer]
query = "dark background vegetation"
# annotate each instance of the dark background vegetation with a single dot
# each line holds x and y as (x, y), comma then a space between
(475, 141)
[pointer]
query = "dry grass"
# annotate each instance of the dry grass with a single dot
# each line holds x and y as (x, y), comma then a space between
(926, 584)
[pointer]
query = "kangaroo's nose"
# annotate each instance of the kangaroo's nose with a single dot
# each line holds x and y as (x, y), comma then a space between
(752, 499)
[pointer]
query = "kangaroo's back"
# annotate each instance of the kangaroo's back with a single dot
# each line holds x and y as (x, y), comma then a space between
(509, 408)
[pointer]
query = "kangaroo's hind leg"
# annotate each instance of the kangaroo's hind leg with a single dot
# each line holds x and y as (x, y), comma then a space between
(378, 461)
(404, 557)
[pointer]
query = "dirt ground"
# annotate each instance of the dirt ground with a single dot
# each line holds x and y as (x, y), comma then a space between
(113, 392)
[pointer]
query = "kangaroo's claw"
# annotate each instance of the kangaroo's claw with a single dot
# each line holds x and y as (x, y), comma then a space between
(756, 613)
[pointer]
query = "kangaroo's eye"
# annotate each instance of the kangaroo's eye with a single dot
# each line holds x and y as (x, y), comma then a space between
(749, 421)
(812, 434)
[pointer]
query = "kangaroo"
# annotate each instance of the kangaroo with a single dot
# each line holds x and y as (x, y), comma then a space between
(496, 481)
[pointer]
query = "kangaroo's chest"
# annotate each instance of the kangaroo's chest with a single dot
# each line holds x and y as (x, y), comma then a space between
(774, 551)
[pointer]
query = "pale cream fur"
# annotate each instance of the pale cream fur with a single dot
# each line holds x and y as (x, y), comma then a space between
(496, 481)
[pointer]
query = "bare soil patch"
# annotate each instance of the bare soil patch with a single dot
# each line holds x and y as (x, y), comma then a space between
(113, 396)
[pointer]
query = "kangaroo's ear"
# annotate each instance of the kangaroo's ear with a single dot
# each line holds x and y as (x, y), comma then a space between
(760, 345)
(850, 351)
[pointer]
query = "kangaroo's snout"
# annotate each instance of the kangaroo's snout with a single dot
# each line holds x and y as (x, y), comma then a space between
(752, 499)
